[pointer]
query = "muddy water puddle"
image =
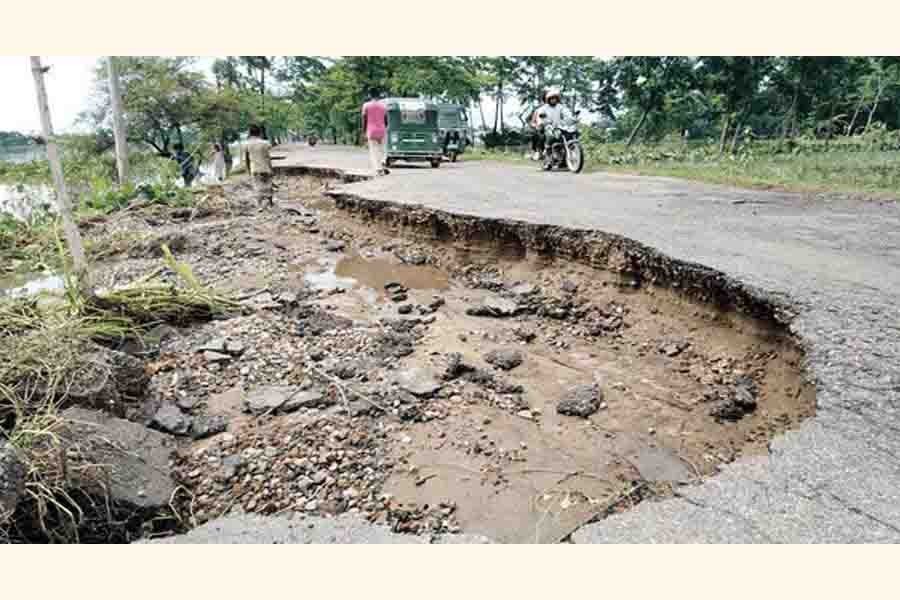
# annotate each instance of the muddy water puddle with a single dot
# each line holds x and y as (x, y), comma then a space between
(367, 276)
(376, 272)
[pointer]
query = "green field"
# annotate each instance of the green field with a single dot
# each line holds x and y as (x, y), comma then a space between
(841, 169)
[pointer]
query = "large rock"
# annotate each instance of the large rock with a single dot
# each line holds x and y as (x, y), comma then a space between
(206, 426)
(109, 380)
(494, 307)
(134, 459)
(739, 403)
(312, 398)
(504, 359)
(170, 419)
(268, 399)
(273, 399)
(12, 480)
(581, 401)
(419, 382)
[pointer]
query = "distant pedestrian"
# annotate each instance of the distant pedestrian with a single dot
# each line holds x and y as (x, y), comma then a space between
(185, 164)
(255, 155)
(374, 123)
(219, 162)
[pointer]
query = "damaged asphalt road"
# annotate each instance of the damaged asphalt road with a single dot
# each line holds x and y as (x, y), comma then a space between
(836, 261)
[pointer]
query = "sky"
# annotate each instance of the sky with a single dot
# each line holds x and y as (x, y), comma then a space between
(69, 84)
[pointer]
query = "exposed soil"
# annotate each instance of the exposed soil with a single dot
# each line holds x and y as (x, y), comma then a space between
(419, 372)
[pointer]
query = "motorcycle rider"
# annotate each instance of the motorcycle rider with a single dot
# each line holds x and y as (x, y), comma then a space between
(548, 117)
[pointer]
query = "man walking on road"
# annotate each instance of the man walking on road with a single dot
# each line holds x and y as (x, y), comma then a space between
(374, 123)
(255, 156)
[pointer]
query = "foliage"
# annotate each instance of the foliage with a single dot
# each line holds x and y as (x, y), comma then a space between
(507, 137)
(868, 165)
(48, 350)
(159, 97)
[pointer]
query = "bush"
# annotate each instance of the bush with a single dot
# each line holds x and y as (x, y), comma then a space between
(507, 137)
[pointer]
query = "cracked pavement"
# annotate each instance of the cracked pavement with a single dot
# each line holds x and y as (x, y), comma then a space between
(837, 261)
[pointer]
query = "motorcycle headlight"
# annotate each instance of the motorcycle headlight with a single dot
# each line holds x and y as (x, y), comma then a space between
(395, 137)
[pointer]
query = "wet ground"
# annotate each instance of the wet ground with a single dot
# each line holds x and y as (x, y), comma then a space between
(375, 320)
(535, 475)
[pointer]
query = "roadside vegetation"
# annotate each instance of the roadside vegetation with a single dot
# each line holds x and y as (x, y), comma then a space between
(28, 241)
(865, 166)
(60, 351)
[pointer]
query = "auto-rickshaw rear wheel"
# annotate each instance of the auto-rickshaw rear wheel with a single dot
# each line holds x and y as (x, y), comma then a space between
(435, 163)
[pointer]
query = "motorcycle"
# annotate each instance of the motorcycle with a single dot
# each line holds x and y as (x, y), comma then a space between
(566, 147)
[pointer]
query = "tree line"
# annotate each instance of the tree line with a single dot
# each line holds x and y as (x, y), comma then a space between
(168, 100)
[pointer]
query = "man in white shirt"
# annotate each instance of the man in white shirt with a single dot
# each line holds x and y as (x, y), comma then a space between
(255, 156)
(549, 116)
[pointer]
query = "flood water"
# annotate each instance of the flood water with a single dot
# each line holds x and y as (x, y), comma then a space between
(21, 200)
(376, 272)
(19, 286)
(373, 274)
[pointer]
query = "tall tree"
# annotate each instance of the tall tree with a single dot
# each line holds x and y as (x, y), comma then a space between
(118, 119)
(731, 84)
(500, 73)
(158, 98)
(646, 80)
(298, 73)
(575, 75)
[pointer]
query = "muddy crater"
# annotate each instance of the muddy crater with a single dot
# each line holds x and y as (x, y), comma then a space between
(682, 386)
(471, 383)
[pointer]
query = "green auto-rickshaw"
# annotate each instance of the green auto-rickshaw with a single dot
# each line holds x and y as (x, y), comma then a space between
(454, 128)
(412, 131)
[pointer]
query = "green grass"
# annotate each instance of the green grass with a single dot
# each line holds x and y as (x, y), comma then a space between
(873, 174)
(811, 166)
(49, 348)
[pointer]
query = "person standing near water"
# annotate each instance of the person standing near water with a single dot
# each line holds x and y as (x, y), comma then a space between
(185, 163)
(219, 162)
(255, 156)
(374, 123)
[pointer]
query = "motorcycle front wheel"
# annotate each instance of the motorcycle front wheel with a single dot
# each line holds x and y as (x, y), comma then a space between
(575, 157)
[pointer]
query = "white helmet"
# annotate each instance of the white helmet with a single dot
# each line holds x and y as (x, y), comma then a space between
(553, 91)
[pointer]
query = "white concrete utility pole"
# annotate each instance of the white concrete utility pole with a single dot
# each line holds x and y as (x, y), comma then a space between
(73, 237)
(118, 121)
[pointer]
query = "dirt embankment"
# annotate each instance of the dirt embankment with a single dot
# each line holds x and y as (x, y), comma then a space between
(438, 373)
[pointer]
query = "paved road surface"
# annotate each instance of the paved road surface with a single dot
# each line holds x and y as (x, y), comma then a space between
(836, 478)
(344, 529)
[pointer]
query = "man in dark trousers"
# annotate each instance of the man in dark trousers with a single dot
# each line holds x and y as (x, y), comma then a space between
(185, 163)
